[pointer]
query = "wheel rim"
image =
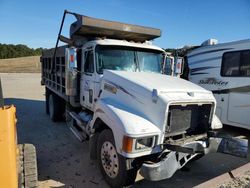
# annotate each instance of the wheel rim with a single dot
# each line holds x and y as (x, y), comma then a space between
(51, 106)
(109, 159)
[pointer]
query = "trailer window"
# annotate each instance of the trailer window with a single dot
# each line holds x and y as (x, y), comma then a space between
(245, 63)
(236, 64)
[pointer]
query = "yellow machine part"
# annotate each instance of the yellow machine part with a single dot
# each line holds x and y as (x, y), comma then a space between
(8, 148)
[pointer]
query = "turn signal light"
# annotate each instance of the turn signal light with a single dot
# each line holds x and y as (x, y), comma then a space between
(127, 144)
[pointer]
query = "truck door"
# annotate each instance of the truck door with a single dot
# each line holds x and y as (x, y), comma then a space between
(88, 79)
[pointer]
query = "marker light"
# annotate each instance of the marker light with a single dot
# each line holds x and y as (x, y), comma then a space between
(127, 144)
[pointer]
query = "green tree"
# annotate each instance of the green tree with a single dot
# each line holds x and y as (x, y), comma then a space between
(19, 50)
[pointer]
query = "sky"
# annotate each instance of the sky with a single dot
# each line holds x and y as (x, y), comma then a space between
(183, 22)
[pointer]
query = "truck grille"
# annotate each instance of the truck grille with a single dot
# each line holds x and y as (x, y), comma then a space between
(190, 119)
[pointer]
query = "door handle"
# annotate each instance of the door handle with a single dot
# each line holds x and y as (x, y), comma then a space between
(90, 95)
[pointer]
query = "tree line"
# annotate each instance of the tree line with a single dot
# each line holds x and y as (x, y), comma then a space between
(19, 50)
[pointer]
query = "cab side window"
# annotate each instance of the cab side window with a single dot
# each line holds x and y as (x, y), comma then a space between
(89, 62)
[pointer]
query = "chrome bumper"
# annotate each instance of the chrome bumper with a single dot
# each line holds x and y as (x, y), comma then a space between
(179, 156)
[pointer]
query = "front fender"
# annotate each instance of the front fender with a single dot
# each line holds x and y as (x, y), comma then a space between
(123, 120)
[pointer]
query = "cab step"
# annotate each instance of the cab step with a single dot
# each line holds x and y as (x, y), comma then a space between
(78, 126)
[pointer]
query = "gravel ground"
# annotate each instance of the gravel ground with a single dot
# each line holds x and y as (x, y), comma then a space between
(64, 162)
(243, 181)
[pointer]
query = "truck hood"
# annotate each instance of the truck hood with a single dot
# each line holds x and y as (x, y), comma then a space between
(148, 95)
(153, 81)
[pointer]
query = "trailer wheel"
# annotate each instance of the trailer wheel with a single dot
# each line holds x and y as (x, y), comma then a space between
(113, 165)
(27, 176)
(54, 108)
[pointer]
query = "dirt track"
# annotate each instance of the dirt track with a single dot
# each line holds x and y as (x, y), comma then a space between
(29, 64)
(64, 162)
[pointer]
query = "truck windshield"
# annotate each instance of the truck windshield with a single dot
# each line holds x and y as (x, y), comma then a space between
(128, 59)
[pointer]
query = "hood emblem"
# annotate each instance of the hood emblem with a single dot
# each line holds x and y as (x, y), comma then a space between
(191, 94)
(154, 95)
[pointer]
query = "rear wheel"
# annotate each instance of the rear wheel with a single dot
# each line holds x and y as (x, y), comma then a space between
(56, 108)
(113, 165)
(27, 166)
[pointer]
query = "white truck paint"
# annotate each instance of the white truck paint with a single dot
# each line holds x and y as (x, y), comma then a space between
(113, 93)
(137, 115)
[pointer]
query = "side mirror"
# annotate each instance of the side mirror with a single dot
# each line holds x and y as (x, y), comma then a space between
(71, 58)
(71, 72)
(179, 66)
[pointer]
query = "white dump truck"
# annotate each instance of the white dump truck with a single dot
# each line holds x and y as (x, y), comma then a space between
(108, 84)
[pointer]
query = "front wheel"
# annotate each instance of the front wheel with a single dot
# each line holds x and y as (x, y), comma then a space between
(112, 164)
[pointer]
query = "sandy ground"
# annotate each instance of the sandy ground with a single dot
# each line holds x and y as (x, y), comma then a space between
(243, 181)
(64, 162)
(21, 65)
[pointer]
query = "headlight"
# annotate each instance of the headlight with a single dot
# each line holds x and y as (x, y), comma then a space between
(143, 143)
(131, 145)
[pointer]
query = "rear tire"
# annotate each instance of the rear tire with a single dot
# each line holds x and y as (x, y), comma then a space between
(27, 166)
(56, 108)
(113, 165)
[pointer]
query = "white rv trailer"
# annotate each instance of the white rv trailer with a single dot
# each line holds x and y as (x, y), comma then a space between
(225, 70)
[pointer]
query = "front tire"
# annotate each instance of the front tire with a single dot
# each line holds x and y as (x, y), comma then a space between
(113, 165)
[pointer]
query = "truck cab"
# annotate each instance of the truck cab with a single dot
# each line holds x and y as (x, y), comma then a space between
(110, 54)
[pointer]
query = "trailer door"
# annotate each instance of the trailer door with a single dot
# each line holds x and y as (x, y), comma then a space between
(236, 65)
(88, 79)
(239, 108)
